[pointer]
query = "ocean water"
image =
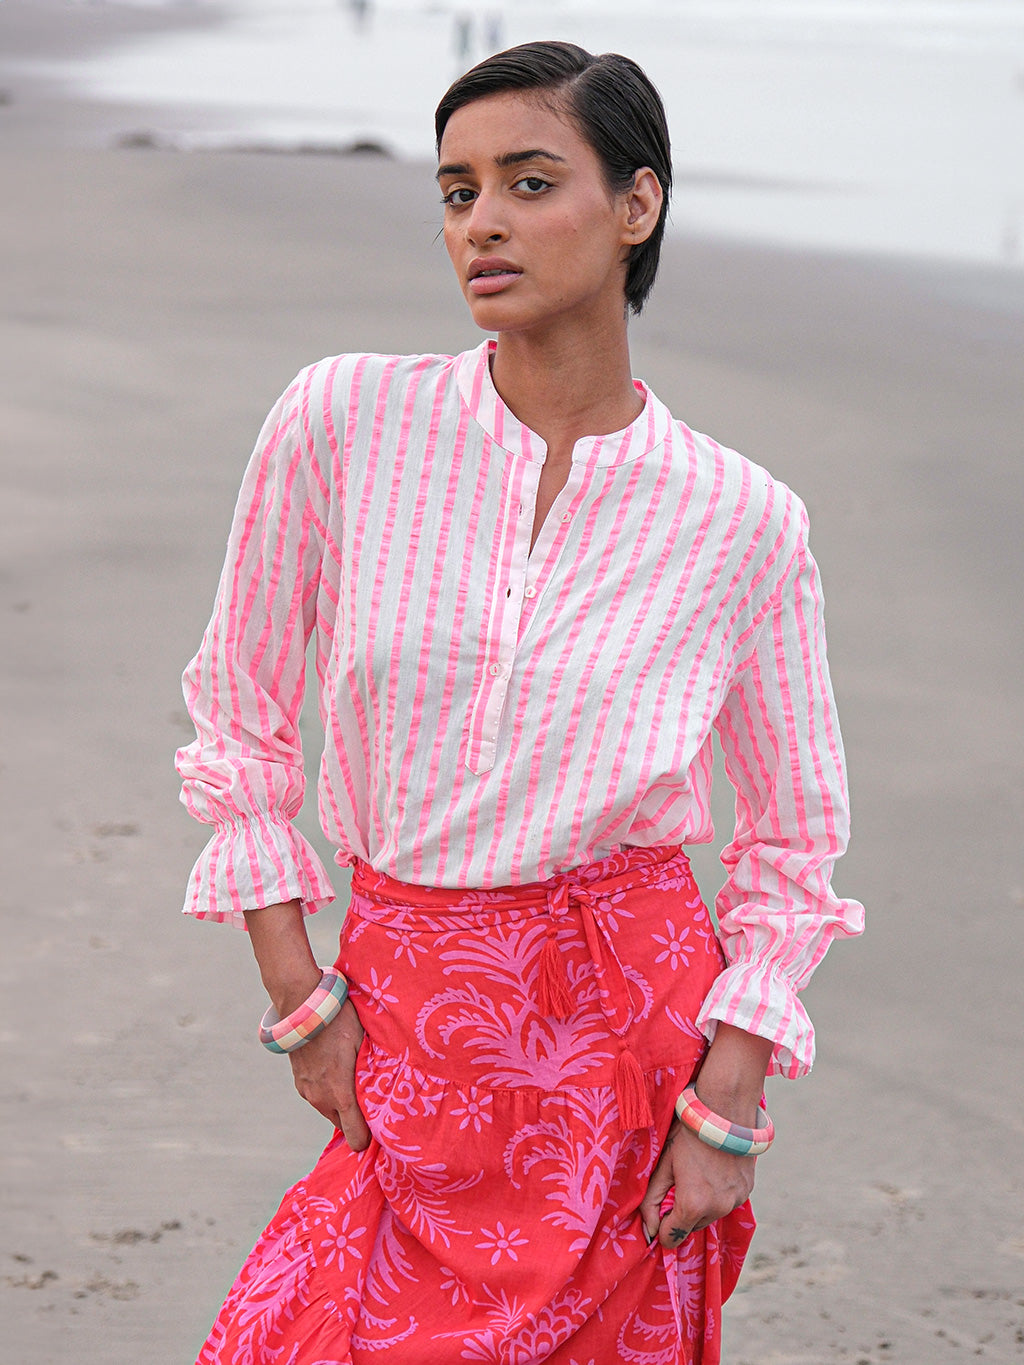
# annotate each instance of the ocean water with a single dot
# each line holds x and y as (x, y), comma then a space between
(893, 126)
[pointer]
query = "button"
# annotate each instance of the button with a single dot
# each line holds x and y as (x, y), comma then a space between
(530, 592)
(494, 670)
(567, 516)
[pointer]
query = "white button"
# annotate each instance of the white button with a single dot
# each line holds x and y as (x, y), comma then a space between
(530, 592)
(494, 670)
(567, 516)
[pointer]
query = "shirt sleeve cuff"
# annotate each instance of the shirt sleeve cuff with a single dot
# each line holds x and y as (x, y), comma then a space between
(765, 1004)
(255, 862)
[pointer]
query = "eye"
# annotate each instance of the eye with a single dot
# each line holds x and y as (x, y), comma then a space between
(456, 198)
(532, 184)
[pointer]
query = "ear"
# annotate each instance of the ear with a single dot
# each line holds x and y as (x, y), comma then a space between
(643, 207)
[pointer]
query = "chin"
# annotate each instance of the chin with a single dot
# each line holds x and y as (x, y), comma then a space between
(491, 316)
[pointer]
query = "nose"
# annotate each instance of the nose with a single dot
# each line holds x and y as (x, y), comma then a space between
(486, 221)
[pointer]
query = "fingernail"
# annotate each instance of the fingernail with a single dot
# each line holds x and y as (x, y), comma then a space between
(648, 1236)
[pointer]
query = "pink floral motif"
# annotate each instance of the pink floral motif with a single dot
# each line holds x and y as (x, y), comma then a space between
(502, 1243)
(341, 1240)
(613, 909)
(377, 989)
(475, 1113)
(615, 1237)
(677, 950)
(407, 945)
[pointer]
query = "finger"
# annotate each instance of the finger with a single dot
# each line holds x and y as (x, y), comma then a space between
(650, 1209)
(352, 1122)
(672, 1236)
(679, 1221)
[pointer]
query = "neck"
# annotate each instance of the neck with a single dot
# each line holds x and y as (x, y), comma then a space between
(566, 387)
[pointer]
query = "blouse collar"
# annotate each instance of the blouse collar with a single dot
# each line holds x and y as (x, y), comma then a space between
(473, 375)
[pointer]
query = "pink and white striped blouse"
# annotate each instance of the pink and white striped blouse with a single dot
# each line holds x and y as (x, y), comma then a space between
(494, 715)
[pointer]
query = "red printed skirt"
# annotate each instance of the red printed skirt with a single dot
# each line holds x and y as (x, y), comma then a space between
(524, 1047)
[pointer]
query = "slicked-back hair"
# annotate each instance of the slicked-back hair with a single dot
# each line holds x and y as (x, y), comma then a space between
(613, 104)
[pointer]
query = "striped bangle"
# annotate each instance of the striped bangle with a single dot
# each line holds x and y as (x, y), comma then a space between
(718, 1132)
(311, 1017)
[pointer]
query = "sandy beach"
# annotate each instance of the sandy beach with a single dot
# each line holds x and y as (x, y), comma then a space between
(153, 306)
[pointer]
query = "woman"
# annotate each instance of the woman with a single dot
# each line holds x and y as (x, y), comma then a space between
(535, 594)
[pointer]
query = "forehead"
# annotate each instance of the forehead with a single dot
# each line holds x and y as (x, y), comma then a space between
(499, 125)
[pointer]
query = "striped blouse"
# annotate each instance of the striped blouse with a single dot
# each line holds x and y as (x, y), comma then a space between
(495, 714)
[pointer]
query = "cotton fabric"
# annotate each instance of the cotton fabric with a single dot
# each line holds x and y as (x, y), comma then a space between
(496, 716)
(494, 1216)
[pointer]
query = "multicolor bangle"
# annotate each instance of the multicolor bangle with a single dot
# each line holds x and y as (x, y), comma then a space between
(311, 1017)
(718, 1132)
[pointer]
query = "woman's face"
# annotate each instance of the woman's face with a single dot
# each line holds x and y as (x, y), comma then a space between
(534, 233)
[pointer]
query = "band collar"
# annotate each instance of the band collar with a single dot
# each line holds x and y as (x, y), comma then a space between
(473, 375)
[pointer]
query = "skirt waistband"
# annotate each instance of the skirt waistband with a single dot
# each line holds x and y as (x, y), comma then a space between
(620, 871)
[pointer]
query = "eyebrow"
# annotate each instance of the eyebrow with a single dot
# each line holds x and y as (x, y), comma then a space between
(504, 161)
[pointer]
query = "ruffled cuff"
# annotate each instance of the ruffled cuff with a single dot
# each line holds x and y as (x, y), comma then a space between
(252, 863)
(762, 1002)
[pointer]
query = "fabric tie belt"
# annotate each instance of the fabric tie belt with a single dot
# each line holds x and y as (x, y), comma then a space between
(555, 999)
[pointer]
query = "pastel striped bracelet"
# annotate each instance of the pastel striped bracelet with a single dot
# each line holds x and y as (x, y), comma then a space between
(718, 1132)
(311, 1017)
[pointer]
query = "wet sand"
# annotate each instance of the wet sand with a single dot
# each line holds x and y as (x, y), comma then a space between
(154, 304)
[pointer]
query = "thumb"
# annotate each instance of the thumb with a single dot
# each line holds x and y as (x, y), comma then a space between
(351, 1121)
(650, 1210)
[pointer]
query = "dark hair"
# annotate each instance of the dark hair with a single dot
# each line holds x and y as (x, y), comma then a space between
(615, 107)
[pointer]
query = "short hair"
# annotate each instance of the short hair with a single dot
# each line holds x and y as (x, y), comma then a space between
(614, 105)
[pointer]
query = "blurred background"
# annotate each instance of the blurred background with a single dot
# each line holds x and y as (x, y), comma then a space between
(198, 199)
(885, 125)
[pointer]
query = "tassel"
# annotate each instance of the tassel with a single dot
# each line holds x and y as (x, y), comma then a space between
(553, 998)
(631, 1093)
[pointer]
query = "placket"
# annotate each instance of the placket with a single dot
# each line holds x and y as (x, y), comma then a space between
(508, 588)
(545, 555)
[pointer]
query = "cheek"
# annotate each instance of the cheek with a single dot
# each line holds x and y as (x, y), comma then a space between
(583, 238)
(451, 245)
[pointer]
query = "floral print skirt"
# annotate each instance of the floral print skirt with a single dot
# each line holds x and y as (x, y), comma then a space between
(524, 1047)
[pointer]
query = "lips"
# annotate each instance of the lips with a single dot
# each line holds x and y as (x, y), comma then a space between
(491, 274)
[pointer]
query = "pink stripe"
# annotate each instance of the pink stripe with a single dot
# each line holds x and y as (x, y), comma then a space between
(424, 517)
(440, 808)
(352, 531)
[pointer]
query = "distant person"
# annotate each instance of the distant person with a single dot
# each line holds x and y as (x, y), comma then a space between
(494, 31)
(462, 37)
(535, 594)
(360, 11)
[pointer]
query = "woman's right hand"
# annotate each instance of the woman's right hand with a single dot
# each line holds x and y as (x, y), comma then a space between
(325, 1075)
(324, 1068)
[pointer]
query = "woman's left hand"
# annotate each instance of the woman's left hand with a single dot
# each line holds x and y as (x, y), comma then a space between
(708, 1185)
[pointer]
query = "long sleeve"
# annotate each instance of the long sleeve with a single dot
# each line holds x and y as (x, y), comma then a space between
(783, 752)
(244, 689)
